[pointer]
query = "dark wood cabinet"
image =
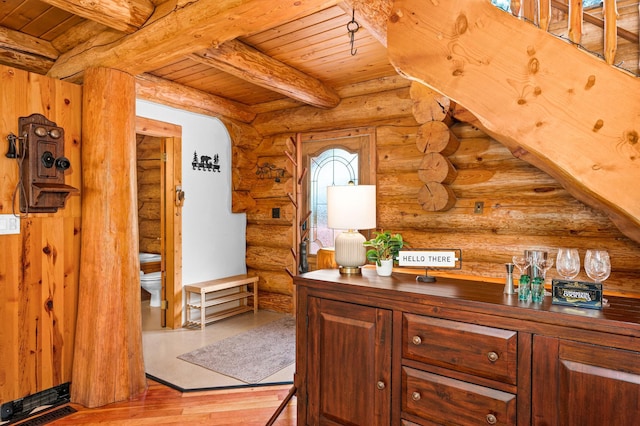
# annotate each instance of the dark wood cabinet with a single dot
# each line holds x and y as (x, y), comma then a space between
(349, 364)
(388, 350)
(578, 384)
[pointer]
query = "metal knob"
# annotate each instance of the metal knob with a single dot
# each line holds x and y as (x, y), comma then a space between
(416, 340)
(491, 419)
(380, 385)
(493, 357)
(415, 396)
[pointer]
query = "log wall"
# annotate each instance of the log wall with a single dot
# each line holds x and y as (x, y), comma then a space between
(524, 208)
(270, 240)
(39, 267)
(149, 176)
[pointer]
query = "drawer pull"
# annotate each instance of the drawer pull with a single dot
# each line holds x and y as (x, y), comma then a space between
(493, 357)
(491, 419)
(415, 396)
(416, 340)
(380, 385)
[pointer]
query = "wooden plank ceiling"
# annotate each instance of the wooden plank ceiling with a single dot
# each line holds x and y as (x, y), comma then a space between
(247, 56)
(34, 34)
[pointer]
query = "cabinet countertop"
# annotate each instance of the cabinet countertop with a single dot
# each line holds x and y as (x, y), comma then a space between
(622, 316)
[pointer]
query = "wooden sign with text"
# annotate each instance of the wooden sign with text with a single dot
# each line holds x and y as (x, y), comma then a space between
(430, 259)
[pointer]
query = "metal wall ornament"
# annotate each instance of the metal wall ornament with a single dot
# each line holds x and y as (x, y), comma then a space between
(268, 170)
(205, 163)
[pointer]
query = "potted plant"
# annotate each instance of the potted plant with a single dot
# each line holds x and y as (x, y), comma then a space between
(384, 249)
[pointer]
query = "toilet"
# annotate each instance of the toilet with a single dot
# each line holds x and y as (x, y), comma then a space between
(152, 282)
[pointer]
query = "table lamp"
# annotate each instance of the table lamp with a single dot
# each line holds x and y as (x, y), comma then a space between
(351, 207)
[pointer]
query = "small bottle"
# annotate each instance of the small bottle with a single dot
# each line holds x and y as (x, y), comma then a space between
(524, 288)
(508, 286)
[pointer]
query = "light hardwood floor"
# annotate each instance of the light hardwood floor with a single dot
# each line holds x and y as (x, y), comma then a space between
(163, 405)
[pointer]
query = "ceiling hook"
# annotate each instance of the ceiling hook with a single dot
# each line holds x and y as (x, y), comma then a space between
(352, 28)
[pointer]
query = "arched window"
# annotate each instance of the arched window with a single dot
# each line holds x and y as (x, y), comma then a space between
(333, 158)
(335, 166)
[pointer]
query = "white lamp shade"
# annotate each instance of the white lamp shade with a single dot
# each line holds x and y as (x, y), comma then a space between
(351, 207)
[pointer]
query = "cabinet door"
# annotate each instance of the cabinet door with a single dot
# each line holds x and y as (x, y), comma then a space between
(348, 364)
(577, 384)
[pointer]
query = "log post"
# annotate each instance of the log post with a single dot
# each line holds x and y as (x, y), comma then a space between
(108, 365)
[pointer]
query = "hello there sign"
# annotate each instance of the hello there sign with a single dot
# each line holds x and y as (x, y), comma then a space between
(450, 259)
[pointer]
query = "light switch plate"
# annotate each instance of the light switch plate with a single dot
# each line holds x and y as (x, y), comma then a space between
(9, 224)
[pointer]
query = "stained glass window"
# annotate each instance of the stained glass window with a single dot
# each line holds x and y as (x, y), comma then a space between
(332, 167)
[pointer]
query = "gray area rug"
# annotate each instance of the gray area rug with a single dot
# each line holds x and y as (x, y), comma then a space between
(251, 356)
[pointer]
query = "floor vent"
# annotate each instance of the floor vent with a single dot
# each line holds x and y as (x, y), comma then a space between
(49, 416)
(24, 407)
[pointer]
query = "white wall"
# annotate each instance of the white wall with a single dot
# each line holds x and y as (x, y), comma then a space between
(213, 239)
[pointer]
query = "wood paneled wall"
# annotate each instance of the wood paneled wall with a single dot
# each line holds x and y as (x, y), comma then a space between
(524, 208)
(39, 267)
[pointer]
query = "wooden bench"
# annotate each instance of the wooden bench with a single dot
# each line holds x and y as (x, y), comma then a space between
(210, 288)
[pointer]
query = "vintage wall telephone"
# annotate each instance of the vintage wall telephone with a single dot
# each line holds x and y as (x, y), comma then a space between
(39, 151)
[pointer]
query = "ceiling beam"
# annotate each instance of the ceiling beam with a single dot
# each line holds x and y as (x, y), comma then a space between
(80, 33)
(196, 26)
(26, 52)
(166, 92)
(247, 63)
(123, 15)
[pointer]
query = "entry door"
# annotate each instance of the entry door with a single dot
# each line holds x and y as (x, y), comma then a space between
(170, 216)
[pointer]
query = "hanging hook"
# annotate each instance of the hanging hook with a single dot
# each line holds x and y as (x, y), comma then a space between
(352, 28)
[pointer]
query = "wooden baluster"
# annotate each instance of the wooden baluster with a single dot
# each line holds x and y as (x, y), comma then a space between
(575, 20)
(544, 14)
(610, 13)
(529, 11)
(516, 7)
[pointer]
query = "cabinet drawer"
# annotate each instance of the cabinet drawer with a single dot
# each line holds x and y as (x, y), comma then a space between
(482, 351)
(443, 400)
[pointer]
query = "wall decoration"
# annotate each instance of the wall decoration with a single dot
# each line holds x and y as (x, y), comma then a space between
(205, 163)
(267, 170)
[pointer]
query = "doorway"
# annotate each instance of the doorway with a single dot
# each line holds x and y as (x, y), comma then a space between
(351, 151)
(166, 142)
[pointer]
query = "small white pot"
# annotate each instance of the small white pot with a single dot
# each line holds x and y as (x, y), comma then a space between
(385, 268)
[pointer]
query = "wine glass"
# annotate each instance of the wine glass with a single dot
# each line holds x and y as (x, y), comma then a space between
(568, 263)
(522, 263)
(597, 265)
(543, 264)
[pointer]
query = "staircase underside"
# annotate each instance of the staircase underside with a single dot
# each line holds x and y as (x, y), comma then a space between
(555, 106)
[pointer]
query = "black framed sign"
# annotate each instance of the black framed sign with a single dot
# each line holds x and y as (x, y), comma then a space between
(576, 293)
